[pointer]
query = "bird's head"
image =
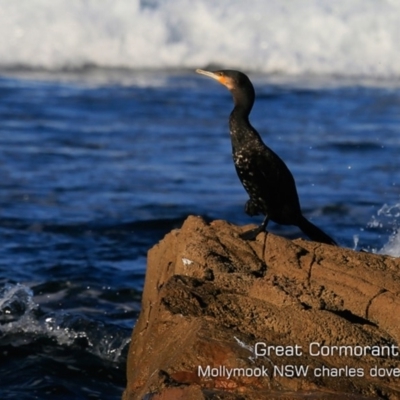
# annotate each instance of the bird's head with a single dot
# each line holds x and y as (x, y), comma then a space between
(230, 78)
(238, 84)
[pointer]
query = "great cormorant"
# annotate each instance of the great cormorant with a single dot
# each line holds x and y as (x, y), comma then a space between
(265, 177)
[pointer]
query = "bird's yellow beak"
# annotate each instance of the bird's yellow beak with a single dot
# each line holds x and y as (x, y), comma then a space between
(215, 75)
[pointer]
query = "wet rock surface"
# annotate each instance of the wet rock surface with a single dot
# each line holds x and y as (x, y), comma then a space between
(224, 318)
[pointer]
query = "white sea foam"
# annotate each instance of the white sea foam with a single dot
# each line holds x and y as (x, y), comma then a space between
(357, 38)
(392, 214)
(388, 217)
(392, 247)
(18, 318)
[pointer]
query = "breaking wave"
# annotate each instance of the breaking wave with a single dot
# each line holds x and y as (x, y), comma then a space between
(317, 37)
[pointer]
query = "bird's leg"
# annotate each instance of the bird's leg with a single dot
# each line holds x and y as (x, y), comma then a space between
(252, 233)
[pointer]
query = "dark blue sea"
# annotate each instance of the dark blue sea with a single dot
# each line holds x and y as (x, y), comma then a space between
(97, 166)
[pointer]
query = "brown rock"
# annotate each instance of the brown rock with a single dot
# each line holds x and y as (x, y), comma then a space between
(209, 297)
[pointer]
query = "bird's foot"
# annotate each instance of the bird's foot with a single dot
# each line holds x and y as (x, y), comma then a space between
(252, 233)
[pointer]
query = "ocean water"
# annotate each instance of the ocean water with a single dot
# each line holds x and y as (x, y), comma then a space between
(108, 140)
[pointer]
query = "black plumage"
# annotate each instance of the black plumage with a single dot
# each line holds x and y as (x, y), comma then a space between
(265, 177)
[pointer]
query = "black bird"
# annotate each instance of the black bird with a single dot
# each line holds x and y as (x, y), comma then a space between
(265, 177)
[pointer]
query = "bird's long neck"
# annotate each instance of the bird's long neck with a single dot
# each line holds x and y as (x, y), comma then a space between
(242, 133)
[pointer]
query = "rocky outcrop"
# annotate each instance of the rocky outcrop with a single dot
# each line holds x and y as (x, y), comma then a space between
(224, 318)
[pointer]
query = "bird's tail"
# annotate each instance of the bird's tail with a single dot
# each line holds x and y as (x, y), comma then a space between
(314, 233)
